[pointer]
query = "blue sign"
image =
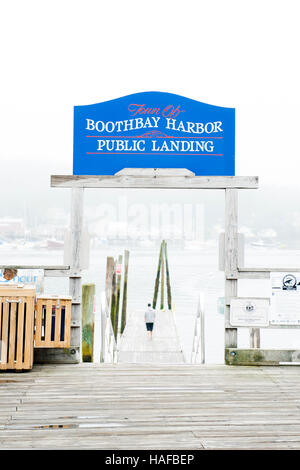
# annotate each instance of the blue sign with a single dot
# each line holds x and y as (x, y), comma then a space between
(153, 130)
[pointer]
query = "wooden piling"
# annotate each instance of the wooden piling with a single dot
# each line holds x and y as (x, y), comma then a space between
(254, 338)
(108, 290)
(114, 301)
(162, 280)
(156, 287)
(118, 292)
(124, 300)
(169, 295)
(88, 294)
(110, 265)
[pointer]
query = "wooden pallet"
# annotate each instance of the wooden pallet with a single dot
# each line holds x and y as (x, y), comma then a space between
(16, 327)
(52, 322)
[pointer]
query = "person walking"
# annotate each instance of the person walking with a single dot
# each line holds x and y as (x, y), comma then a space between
(150, 319)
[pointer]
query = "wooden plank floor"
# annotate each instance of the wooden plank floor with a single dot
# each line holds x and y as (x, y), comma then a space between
(163, 348)
(129, 406)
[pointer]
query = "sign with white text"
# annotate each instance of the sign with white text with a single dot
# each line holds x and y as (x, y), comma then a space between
(153, 130)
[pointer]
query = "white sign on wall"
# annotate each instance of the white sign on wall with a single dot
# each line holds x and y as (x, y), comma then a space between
(249, 312)
(285, 299)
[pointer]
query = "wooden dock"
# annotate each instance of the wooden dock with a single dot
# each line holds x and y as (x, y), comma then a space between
(164, 347)
(126, 406)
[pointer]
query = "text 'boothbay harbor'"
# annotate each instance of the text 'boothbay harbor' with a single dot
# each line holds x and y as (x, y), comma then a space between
(153, 130)
(142, 145)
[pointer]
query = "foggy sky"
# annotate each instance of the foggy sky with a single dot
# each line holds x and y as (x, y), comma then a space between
(57, 54)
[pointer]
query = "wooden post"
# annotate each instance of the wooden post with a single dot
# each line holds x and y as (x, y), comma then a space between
(156, 287)
(88, 295)
(118, 293)
(124, 300)
(110, 266)
(75, 280)
(202, 329)
(169, 295)
(108, 291)
(114, 301)
(231, 260)
(103, 328)
(162, 280)
(254, 338)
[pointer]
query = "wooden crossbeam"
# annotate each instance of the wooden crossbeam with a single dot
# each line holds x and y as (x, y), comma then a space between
(162, 182)
(258, 357)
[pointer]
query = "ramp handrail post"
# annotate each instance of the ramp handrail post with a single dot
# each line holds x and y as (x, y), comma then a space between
(103, 327)
(108, 342)
(202, 328)
(199, 333)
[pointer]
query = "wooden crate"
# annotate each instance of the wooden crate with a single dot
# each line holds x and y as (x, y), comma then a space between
(52, 322)
(16, 326)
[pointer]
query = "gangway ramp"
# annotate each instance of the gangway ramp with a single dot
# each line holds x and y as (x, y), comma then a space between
(163, 348)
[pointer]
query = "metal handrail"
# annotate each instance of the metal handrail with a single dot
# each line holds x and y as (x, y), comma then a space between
(109, 350)
(198, 349)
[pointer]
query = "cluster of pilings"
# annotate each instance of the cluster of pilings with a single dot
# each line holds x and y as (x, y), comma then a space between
(116, 291)
(116, 296)
(162, 277)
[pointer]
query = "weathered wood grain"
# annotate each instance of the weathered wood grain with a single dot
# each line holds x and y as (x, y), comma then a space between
(268, 270)
(231, 260)
(261, 356)
(16, 328)
(150, 406)
(88, 321)
(34, 266)
(124, 292)
(254, 337)
(75, 282)
(163, 182)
